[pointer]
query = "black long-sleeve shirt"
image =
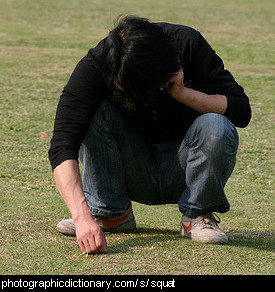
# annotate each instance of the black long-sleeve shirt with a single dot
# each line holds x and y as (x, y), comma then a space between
(161, 121)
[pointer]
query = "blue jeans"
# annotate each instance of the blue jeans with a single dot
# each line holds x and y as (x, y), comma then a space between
(118, 166)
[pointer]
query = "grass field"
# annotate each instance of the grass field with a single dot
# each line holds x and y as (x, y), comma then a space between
(40, 43)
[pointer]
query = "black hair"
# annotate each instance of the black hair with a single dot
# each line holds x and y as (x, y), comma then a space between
(140, 55)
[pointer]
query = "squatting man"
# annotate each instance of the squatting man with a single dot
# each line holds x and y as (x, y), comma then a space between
(150, 113)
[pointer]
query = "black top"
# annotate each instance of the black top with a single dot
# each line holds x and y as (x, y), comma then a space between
(161, 121)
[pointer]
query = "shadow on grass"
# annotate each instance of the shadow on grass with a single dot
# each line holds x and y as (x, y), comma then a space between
(146, 237)
(261, 240)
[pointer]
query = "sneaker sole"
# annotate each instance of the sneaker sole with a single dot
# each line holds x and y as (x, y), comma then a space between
(211, 239)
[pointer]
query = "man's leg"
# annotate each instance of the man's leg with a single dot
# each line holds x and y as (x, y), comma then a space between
(212, 143)
(117, 168)
(205, 160)
(117, 165)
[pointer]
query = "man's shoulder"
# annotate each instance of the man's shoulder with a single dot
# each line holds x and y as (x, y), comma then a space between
(96, 51)
(179, 30)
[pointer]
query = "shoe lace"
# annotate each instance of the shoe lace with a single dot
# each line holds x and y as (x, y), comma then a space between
(208, 220)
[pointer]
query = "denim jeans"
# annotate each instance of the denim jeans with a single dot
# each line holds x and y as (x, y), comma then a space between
(118, 166)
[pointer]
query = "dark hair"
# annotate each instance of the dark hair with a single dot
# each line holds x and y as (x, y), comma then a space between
(140, 55)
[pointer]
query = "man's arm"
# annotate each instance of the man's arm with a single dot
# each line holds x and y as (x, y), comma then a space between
(199, 101)
(213, 88)
(90, 236)
(78, 102)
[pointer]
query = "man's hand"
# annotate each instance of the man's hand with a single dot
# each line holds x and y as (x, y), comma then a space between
(175, 85)
(199, 101)
(90, 236)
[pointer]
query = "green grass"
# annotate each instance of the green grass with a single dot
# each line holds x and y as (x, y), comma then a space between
(40, 43)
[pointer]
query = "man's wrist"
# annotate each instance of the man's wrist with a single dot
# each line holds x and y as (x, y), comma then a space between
(82, 212)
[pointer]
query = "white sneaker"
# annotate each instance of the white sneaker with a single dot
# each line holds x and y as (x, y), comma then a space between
(123, 223)
(203, 229)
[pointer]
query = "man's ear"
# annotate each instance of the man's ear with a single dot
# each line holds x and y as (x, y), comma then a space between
(118, 84)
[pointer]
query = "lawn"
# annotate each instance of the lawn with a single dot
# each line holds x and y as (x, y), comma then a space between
(40, 43)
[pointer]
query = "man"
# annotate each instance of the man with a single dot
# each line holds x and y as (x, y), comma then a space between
(150, 112)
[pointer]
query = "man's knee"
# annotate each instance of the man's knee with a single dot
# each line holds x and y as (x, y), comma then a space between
(214, 130)
(216, 125)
